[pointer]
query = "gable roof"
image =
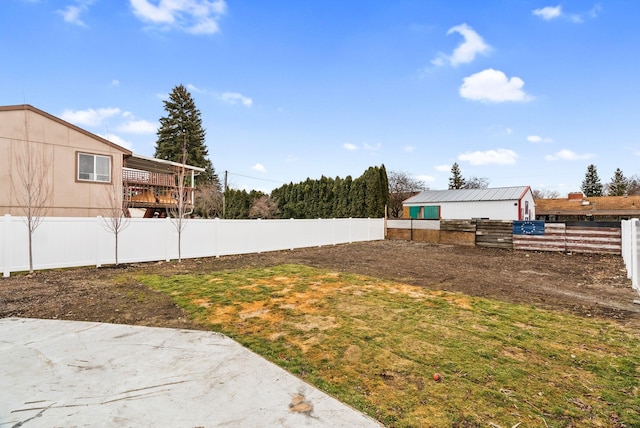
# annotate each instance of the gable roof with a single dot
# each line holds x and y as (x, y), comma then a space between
(601, 205)
(469, 195)
(64, 123)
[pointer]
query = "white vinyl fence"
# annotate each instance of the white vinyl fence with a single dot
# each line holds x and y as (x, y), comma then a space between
(630, 247)
(84, 241)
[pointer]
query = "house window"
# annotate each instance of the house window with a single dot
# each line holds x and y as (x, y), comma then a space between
(94, 168)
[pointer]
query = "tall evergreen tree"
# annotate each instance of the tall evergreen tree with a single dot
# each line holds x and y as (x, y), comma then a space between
(591, 185)
(456, 181)
(183, 127)
(618, 185)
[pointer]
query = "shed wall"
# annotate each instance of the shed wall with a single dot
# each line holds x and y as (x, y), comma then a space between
(493, 210)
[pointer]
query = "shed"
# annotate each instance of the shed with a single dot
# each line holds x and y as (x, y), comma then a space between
(500, 203)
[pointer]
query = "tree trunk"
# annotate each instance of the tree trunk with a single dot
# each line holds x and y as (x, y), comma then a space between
(30, 246)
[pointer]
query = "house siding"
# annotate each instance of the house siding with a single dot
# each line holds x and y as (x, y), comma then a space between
(59, 143)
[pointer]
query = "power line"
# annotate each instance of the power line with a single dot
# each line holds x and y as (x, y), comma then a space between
(256, 178)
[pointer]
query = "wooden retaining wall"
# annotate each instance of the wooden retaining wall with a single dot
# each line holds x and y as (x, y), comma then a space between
(458, 232)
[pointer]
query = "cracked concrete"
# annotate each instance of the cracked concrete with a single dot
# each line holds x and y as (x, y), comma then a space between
(69, 373)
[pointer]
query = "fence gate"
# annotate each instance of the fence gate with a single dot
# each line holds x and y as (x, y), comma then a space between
(494, 234)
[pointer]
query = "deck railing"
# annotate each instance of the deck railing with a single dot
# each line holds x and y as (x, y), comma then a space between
(136, 176)
(145, 189)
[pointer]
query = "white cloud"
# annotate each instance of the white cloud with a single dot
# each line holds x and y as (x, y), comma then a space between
(259, 167)
(539, 139)
(498, 157)
(138, 127)
(194, 88)
(579, 18)
(371, 148)
(71, 13)
(426, 178)
(235, 98)
(349, 146)
(89, 117)
(466, 51)
(566, 154)
(117, 140)
(552, 12)
(115, 82)
(549, 12)
(493, 86)
(443, 168)
(409, 149)
(192, 16)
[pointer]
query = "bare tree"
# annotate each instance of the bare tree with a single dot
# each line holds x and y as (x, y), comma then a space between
(115, 217)
(476, 183)
(401, 187)
(633, 186)
(179, 208)
(264, 207)
(545, 194)
(208, 200)
(32, 189)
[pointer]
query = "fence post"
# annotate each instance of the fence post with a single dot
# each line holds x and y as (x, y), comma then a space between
(216, 251)
(6, 245)
(334, 223)
(634, 253)
(259, 235)
(98, 222)
(626, 245)
(291, 235)
(168, 226)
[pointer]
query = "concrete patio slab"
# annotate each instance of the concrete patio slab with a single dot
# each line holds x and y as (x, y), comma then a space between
(72, 374)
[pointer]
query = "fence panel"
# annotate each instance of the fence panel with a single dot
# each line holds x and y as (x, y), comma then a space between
(553, 239)
(67, 242)
(577, 239)
(630, 250)
(494, 234)
(140, 240)
(594, 239)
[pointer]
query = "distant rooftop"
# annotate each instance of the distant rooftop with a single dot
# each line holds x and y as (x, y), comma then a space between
(601, 205)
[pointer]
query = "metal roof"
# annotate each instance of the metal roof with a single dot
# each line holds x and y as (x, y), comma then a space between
(147, 163)
(469, 195)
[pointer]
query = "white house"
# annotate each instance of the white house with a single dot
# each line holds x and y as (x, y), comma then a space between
(502, 203)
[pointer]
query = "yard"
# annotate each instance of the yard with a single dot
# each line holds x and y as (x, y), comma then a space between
(518, 337)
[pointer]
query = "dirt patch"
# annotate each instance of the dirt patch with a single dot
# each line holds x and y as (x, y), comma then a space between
(586, 285)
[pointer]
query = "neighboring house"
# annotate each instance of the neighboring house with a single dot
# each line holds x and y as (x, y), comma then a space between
(577, 207)
(84, 175)
(504, 203)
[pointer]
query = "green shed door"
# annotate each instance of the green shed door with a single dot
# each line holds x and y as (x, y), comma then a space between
(431, 212)
(414, 212)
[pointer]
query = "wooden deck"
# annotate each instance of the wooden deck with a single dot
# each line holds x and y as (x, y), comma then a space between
(144, 189)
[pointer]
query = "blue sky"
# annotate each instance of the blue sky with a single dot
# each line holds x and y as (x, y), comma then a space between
(518, 92)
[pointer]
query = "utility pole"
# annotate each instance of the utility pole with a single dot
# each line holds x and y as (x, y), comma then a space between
(224, 194)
